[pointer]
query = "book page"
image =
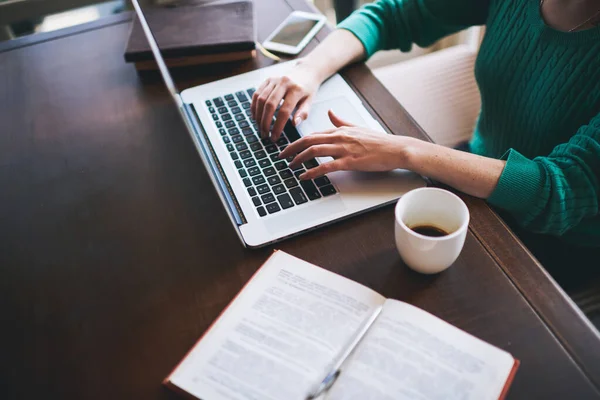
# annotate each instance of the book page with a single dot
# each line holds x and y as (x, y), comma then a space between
(278, 336)
(411, 354)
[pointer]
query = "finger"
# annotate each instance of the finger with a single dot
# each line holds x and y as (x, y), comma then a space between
(262, 100)
(254, 105)
(305, 142)
(269, 109)
(321, 150)
(325, 168)
(302, 110)
(289, 103)
(337, 121)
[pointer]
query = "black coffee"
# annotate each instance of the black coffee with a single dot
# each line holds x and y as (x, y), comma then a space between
(429, 230)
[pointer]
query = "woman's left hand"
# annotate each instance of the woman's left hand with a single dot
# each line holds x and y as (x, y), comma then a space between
(353, 148)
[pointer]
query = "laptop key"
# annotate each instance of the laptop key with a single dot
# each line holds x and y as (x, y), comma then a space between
(233, 131)
(273, 180)
(253, 171)
(261, 211)
(222, 110)
(248, 113)
(246, 105)
(219, 124)
(247, 182)
(211, 109)
(311, 163)
(222, 132)
(297, 168)
(226, 117)
(208, 103)
(215, 117)
(230, 147)
(281, 141)
(236, 110)
(298, 195)
(245, 154)
(273, 208)
(291, 132)
(285, 200)
(240, 117)
(269, 171)
(264, 163)
(310, 189)
(229, 97)
(229, 124)
(218, 102)
(274, 157)
(258, 180)
(322, 181)
(243, 173)
(255, 146)
(226, 139)
(247, 131)
(278, 189)
(241, 97)
(252, 139)
(237, 139)
(328, 190)
(232, 103)
(238, 164)
(267, 198)
(244, 124)
(281, 165)
(261, 154)
(251, 191)
(298, 173)
(291, 182)
(271, 148)
(256, 201)
(234, 156)
(285, 174)
(262, 189)
(241, 146)
(249, 162)
(251, 92)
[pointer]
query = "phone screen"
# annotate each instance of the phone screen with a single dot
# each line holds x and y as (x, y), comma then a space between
(295, 29)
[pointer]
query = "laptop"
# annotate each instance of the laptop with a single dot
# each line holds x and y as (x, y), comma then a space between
(263, 197)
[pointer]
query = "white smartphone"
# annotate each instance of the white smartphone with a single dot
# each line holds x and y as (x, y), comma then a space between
(295, 32)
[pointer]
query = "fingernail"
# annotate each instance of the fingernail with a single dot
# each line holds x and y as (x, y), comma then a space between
(297, 121)
(302, 176)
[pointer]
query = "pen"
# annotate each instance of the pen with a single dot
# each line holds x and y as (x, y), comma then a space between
(335, 370)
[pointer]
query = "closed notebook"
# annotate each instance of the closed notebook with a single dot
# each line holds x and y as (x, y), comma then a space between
(195, 34)
(277, 338)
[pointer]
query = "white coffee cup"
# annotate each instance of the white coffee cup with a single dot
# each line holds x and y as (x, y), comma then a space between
(430, 207)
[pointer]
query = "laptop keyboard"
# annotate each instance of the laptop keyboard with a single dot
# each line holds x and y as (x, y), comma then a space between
(271, 184)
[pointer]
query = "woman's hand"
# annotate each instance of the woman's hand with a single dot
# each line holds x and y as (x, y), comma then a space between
(353, 148)
(297, 90)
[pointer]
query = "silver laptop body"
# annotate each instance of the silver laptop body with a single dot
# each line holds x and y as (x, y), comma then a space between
(262, 196)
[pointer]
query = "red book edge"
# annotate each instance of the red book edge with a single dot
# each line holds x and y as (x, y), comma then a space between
(509, 380)
(167, 380)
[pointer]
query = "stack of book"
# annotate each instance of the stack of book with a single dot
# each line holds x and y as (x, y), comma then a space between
(193, 34)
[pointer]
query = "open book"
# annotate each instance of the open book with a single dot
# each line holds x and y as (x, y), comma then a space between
(278, 337)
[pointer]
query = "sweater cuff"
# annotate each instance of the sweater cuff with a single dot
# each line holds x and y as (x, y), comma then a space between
(520, 184)
(366, 33)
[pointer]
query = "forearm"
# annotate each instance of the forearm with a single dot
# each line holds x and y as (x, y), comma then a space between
(339, 49)
(469, 173)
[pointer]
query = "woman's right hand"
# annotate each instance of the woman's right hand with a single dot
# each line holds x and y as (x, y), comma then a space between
(297, 90)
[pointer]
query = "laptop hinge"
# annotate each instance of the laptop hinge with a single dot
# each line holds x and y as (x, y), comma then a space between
(212, 163)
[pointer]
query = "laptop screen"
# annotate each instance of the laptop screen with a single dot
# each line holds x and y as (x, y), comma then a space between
(162, 66)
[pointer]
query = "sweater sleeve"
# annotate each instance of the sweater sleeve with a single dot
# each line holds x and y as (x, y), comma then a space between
(397, 24)
(553, 194)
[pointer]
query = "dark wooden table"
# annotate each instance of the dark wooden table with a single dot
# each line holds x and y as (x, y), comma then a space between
(116, 254)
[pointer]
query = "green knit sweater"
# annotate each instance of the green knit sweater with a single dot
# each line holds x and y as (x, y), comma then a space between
(540, 92)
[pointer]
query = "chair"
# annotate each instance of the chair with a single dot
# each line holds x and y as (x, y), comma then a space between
(439, 90)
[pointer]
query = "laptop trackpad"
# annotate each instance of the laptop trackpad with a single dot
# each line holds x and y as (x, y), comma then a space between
(318, 120)
(307, 216)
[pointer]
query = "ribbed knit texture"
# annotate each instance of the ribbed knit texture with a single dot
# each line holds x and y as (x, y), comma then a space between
(540, 91)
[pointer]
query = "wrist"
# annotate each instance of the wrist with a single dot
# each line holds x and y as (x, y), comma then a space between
(409, 152)
(313, 68)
